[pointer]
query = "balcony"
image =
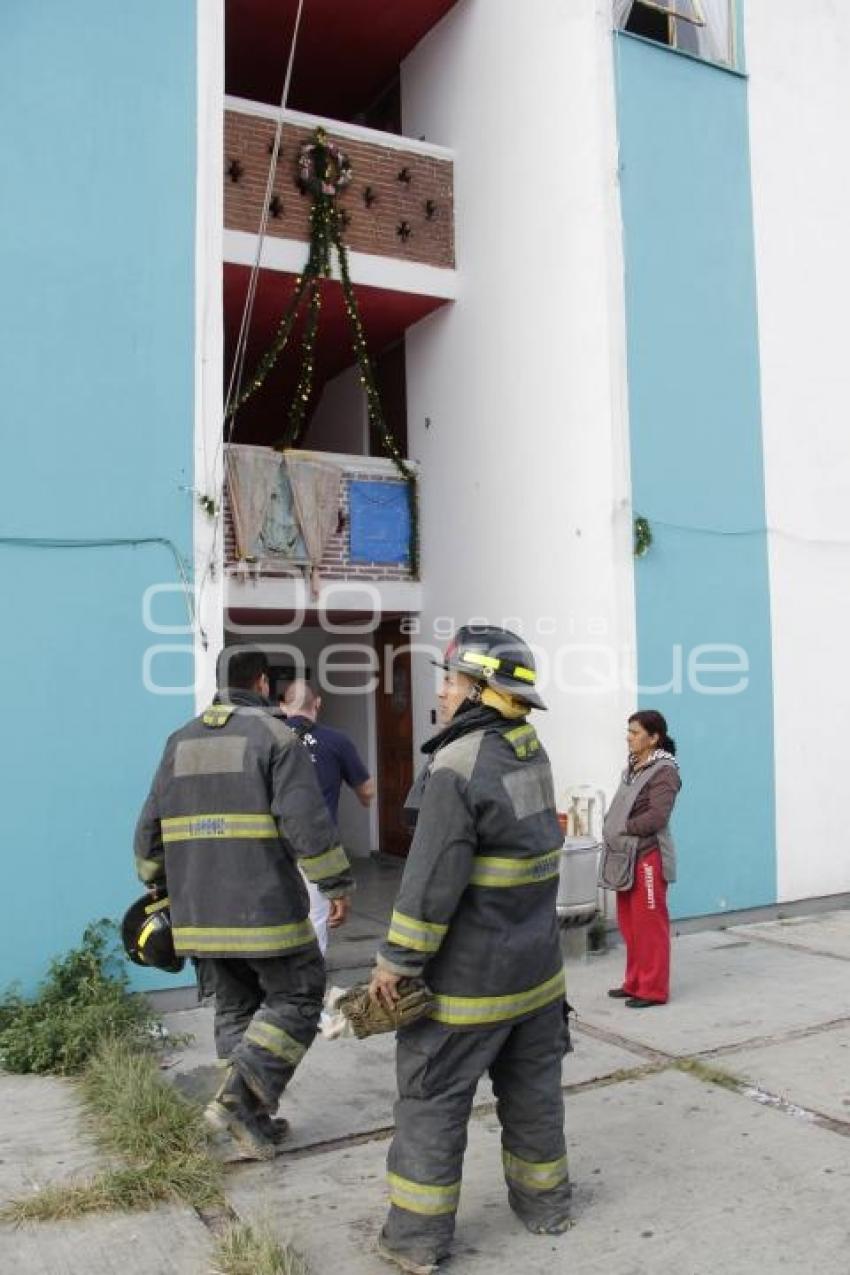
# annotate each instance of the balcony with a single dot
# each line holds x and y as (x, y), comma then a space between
(399, 279)
(310, 530)
(399, 205)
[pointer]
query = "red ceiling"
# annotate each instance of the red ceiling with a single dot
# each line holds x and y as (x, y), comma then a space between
(385, 314)
(348, 50)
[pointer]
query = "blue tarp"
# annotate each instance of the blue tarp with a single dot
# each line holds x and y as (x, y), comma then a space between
(379, 514)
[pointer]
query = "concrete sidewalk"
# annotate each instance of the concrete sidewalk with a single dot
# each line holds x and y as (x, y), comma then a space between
(677, 1170)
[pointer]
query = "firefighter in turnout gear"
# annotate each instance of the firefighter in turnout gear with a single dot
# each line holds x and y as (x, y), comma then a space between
(233, 808)
(475, 917)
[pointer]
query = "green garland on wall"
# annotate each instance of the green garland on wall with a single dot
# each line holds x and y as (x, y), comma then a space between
(643, 537)
(323, 171)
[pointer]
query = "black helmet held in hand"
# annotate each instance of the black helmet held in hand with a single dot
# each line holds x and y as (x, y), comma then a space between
(147, 937)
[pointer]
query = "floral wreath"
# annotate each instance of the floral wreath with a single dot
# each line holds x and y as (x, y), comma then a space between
(335, 159)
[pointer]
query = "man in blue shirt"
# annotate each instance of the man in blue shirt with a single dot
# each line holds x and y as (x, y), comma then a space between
(337, 761)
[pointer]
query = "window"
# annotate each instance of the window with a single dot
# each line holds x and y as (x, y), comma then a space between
(700, 27)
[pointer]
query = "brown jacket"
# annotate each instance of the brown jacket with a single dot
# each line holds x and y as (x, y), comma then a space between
(652, 808)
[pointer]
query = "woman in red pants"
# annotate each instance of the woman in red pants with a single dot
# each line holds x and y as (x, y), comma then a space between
(636, 829)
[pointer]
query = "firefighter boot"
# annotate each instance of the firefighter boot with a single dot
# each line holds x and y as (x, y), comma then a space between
(420, 1265)
(557, 1226)
(275, 1128)
(234, 1111)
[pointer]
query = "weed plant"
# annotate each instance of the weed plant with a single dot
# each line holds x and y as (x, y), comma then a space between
(244, 1249)
(84, 1021)
(83, 1001)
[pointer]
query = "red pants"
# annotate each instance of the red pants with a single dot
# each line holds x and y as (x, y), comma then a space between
(645, 926)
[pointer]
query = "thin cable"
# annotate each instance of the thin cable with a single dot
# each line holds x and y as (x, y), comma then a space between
(739, 532)
(236, 372)
(110, 542)
(235, 385)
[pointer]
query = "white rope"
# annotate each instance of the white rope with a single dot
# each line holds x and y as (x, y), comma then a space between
(235, 386)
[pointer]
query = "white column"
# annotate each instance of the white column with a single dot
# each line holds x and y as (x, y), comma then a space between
(517, 392)
(209, 347)
(797, 60)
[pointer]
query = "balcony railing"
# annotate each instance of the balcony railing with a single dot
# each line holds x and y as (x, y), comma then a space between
(343, 517)
(400, 202)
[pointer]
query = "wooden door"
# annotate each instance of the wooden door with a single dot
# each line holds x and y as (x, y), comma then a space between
(395, 736)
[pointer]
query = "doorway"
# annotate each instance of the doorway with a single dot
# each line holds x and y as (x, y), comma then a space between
(394, 716)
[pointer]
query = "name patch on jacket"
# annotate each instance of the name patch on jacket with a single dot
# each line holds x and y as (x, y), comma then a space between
(221, 755)
(531, 790)
(218, 715)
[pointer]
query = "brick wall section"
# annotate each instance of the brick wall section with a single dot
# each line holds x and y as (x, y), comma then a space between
(247, 139)
(336, 564)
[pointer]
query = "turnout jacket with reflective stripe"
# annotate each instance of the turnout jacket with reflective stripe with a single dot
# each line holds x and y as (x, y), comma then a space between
(233, 806)
(475, 915)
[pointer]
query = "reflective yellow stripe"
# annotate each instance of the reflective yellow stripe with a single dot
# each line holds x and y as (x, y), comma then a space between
(210, 827)
(419, 936)
(157, 905)
(321, 866)
(494, 872)
(417, 1197)
(544, 1175)
(148, 869)
(490, 661)
(260, 938)
(145, 933)
(477, 657)
(276, 1041)
(473, 1011)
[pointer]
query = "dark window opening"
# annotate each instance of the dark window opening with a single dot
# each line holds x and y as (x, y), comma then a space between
(385, 112)
(649, 23)
(391, 378)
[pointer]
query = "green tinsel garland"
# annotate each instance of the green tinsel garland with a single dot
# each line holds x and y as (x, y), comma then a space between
(326, 231)
(643, 537)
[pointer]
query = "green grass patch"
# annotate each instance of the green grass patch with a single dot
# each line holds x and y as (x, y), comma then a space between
(114, 1190)
(711, 1075)
(83, 1001)
(136, 1115)
(85, 1024)
(244, 1249)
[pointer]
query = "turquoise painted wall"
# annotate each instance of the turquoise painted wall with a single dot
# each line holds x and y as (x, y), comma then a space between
(97, 120)
(696, 455)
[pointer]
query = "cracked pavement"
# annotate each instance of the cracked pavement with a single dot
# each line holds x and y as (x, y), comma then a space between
(711, 1133)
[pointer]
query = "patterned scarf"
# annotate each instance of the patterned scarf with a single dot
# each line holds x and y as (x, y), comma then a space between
(632, 771)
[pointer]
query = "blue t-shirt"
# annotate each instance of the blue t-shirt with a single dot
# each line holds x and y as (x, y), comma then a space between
(335, 757)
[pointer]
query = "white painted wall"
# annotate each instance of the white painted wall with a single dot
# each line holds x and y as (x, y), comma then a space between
(797, 58)
(525, 482)
(208, 536)
(340, 422)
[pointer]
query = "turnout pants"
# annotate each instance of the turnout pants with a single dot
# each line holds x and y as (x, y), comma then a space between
(266, 1014)
(645, 926)
(438, 1071)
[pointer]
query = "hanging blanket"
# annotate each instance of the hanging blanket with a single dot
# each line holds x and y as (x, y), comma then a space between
(265, 522)
(315, 490)
(251, 474)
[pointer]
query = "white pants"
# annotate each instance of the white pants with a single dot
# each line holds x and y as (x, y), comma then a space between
(320, 910)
